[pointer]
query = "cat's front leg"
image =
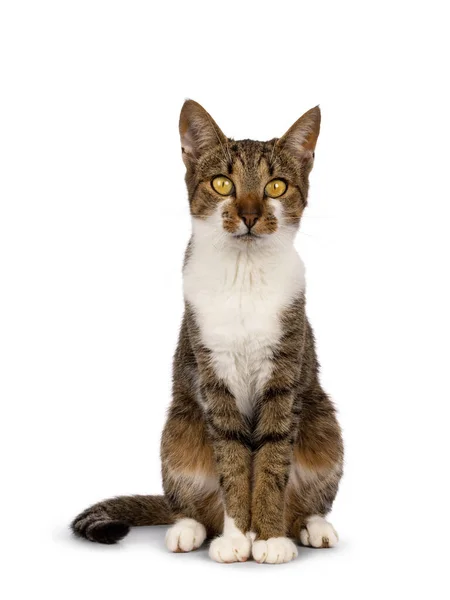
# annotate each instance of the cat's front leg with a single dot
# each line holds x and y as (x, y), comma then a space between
(274, 437)
(232, 452)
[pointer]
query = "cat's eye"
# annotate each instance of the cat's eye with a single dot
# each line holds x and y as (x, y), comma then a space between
(222, 185)
(275, 188)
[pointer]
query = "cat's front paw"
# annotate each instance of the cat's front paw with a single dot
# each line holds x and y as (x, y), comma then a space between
(274, 550)
(229, 549)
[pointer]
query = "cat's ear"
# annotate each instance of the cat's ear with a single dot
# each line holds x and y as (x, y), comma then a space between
(198, 131)
(301, 138)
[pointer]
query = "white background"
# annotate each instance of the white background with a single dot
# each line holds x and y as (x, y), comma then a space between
(94, 220)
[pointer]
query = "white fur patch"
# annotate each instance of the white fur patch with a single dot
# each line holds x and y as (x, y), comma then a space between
(232, 546)
(318, 533)
(300, 474)
(274, 550)
(239, 291)
(185, 535)
(197, 480)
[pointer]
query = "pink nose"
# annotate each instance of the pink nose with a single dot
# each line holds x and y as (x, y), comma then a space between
(249, 219)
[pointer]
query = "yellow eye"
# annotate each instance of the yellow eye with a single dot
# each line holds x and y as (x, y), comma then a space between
(222, 185)
(275, 188)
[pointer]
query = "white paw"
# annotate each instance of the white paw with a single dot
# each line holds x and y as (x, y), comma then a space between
(274, 550)
(185, 535)
(230, 548)
(318, 533)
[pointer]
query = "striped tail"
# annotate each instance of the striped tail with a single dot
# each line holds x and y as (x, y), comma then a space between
(109, 521)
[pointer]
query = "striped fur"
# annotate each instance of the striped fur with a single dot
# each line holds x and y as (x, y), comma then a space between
(251, 450)
(109, 521)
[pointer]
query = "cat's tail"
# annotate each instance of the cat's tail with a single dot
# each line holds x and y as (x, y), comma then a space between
(109, 521)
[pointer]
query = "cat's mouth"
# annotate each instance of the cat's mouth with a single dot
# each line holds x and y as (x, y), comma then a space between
(246, 236)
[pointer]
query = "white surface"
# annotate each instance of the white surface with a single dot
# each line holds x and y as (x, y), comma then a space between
(93, 225)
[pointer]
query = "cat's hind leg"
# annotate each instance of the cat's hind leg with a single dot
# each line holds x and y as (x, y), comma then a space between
(197, 509)
(315, 473)
(308, 503)
(318, 533)
(191, 484)
(185, 535)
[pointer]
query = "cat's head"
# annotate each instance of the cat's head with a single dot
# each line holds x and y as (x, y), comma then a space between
(246, 192)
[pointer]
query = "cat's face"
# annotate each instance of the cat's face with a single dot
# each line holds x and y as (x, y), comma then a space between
(246, 192)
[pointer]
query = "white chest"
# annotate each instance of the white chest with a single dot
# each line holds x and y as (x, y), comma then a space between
(238, 298)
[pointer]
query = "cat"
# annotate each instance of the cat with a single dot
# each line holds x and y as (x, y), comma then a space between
(252, 452)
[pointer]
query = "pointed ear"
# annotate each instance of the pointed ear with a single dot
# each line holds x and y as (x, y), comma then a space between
(198, 131)
(301, 138)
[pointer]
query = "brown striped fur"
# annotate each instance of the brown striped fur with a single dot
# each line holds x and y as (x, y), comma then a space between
(273, 470)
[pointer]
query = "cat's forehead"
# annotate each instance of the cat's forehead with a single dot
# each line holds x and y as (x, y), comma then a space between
(250, 162)
(250, 153)
(247, 160)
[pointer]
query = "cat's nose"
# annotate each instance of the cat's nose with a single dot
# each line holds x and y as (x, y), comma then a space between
(249, 219)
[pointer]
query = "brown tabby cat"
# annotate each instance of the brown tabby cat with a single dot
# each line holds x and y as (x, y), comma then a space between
(251, 452)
